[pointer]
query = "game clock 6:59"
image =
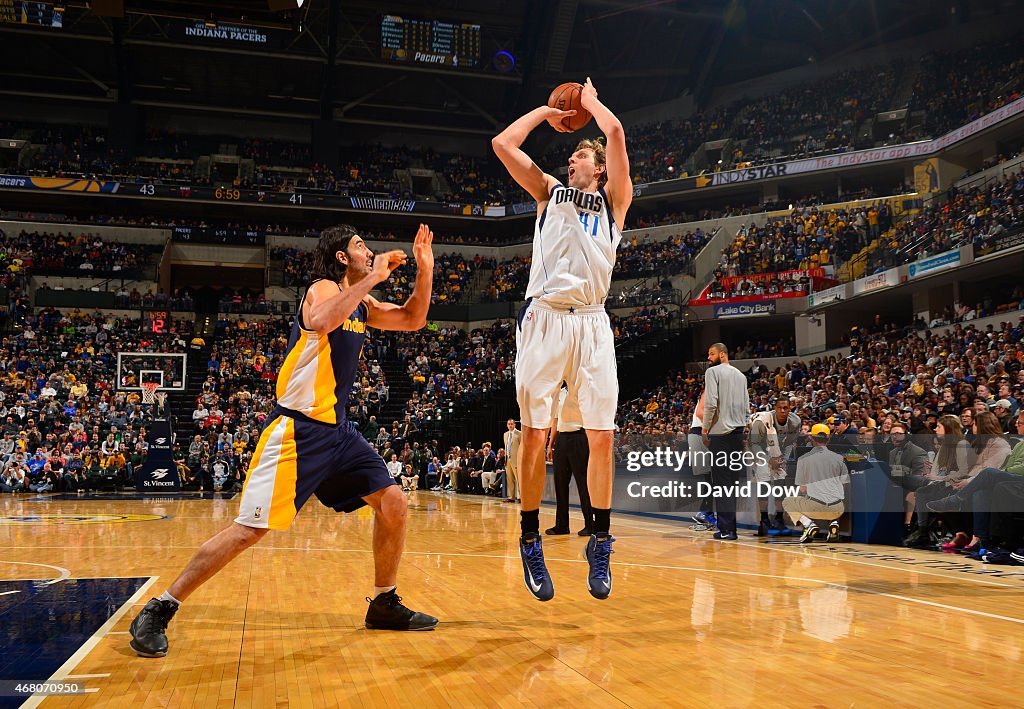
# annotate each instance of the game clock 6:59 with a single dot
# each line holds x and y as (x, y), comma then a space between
(227, 194)
(156, 322)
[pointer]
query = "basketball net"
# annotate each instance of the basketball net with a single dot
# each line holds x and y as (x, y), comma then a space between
(149, 395)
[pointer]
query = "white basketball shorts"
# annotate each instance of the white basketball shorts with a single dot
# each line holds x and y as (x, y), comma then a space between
(700, 456)
(571, 344)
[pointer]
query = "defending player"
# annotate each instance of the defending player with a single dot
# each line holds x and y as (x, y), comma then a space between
(564, 331)
(307, 446)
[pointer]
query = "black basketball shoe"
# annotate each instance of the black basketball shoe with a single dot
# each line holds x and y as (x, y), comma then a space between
(147, 630)
(386, 612)
(535, 571)
(598, 553)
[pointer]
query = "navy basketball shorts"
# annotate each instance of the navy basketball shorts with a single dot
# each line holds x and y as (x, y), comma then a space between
(296, 458)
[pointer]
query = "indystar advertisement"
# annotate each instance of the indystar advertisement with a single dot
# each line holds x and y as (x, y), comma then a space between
(744, 310)
(762, 172)
(920, 149)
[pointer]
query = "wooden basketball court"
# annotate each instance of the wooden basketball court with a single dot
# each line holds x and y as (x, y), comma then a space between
(691, 622)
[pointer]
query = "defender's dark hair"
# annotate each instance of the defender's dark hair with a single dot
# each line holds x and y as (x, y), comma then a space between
(332, 240)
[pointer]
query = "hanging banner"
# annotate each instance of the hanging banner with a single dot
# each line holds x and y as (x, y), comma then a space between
(765, 286)
(829, 295)
(224, 33)
(759, 173)
(383, 204)
(886, 279)
(926, 176)
(60, 184)
(1003, 242)
(744, 310)
(934, 264)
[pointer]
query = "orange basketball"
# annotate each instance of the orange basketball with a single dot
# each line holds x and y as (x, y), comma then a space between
(566, 97)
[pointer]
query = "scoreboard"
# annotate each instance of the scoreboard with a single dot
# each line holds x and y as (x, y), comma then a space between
(429, 42)
(40, 14)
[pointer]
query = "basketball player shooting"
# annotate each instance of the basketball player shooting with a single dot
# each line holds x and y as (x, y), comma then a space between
(563, 331)
(307, 446)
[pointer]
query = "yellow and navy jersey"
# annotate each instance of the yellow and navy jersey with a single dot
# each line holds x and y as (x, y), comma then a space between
(319, 370)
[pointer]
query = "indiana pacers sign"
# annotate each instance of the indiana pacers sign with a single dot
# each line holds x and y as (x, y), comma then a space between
(29, 520)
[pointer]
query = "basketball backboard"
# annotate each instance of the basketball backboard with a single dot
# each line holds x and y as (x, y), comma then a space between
(166, 369)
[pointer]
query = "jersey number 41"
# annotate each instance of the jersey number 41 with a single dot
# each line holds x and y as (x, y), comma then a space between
(585, 221)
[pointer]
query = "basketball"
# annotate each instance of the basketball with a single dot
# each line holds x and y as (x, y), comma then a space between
(566, 97)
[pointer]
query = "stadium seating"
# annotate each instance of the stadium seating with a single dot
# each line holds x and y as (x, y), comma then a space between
(832, 114)
(60, 404)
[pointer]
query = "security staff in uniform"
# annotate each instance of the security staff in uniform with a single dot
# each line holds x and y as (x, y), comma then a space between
(569, 451)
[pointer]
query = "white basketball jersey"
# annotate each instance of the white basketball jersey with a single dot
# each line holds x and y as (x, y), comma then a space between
(574, 247)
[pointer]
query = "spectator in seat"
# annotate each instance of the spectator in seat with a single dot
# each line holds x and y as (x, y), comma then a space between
(114, 464)
(409, 479)
(434, 473)
(220, 470)
(992, 452)
(953, 463)
(394, 466)
(74, 473)
(199, 416)
(1003, 410)
(189, 481)
(448, 470)
(46, 480)
(13, 479)
(908, 466)
(488, 469)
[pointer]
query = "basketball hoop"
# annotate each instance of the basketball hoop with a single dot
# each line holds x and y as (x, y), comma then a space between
(149, 395)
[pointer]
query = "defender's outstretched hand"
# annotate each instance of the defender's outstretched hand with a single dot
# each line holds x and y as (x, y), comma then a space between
(421, 248)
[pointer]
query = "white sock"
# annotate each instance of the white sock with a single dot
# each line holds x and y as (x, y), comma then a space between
(166, 596)
(806, 521)
(377, 590)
